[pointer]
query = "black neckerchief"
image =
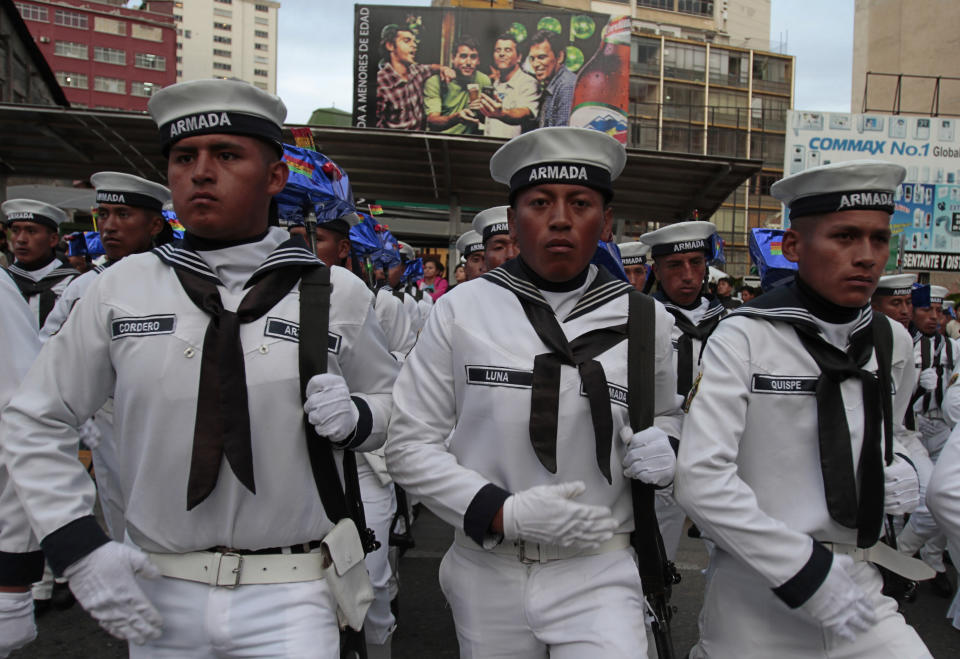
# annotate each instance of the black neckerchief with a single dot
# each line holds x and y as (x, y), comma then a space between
(579, 353)
(701, 331)
(861, 510)
(42, 288)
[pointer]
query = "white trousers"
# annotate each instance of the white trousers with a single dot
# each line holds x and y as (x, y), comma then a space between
(743, 618)
(922, 531)
(288, 621)
(379, 506)
(590, 606)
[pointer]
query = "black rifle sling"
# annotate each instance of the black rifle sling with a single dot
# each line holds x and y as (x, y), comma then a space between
(314, 324)
(641, 327)
(883, 345)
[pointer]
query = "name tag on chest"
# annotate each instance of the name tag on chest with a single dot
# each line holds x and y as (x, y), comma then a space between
(618, 394)
(286, 330)
(784, 384)
(143, 326)
(495, 376)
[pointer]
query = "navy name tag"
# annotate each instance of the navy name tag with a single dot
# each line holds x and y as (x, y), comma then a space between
(333, 343)
(495, 376)
(784, 384)
(618, 394)
(143, 326)
(279, 328)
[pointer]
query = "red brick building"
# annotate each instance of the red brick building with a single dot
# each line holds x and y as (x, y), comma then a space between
(104, 55)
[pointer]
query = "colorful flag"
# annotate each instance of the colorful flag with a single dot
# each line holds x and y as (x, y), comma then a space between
(303, 138)
(776, 248)
(299, 166)
(376, 209)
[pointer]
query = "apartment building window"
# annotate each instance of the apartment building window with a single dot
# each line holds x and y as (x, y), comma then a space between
(260, 46)
(684, 61)
(226, 40)
(263, 73)
(71, 49)
(728, 108)
(645, 56)
(179, 45)
(263, 34)
(260, 20)
(33, 13)
(143, 89)
(149, 33)
(260, 85)
(656, 4)
(683, 102)
(261, 7)
(728, 68)
(644, 97)
(111, 85)
(222, 53)
(222, 66)
(150, 61)
(226, 13)
(224, 2)
(260, 59)
(698, 7)
(178, 18)
(70, 19)
(771, 74)
(109, 55)
(222, 26)
(109, 26)
(72, 80)
(770, 112)
(179, 59)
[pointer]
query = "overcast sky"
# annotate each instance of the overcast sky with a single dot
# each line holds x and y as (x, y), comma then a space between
(315, 59)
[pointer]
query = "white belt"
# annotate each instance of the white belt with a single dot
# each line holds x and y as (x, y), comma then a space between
(231, 569)
(885, 556)
(532, 552)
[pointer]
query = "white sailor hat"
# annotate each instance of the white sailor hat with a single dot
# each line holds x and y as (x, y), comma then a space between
(30, 210)
(891, 285)
(201, 107)
(470, 242)
(937, 293)
(406, 251)
(633, 253)
(692, 236)
(129, 190)
(491, 222)
(842, 186)
(559, 154)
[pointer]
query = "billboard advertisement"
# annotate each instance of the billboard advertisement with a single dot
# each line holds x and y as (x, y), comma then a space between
(927, 211)
(489, 72)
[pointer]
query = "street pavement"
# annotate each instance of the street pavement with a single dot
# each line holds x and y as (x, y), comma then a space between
(425, 628)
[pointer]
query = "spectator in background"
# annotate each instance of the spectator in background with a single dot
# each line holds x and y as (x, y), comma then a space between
(725, 293)
(547, 55)
(459, 274)
(748, 293)
(6, 256)
(433, 281)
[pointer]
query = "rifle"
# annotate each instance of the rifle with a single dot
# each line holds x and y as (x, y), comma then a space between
(657, 573)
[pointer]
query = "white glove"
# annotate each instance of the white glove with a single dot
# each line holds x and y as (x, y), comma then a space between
(106, 587)
(839, 604)
(928, 379)
(89, 434)
(901, 487)
(649, 457)
(329, 407)
(546, 514)
(17, 627)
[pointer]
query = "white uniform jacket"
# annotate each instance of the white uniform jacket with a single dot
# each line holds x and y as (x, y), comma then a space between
(748, 470)
(703, 315)
(138, 335)
(928, 409)
(56, 270)
(471, 372)
(20, 559)
(71, 294)
(395, 321)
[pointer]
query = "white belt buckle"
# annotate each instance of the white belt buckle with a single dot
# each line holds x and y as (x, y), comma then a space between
(522, 553)
(229, 563)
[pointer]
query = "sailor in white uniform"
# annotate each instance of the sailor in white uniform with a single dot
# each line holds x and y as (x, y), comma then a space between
(424, 303)
(936, 357)
(892, 297)
(498, 245)
(470, 246)
(37, 272)
(130, 219)
(633, 256)
(680, 252)
(21, 561)
(200, 345)
(527, 367)
(787, 456)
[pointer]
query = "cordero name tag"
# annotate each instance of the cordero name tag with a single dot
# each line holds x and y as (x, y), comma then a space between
(143, 326)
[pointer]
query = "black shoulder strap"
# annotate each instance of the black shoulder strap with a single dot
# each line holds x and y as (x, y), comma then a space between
(949, 348)
(397, 293)
(314, 324)
(883, 345)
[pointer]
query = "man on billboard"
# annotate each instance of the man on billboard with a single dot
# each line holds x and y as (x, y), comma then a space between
(516, 95)
(401, 78)
(547, 57)
(454, 106)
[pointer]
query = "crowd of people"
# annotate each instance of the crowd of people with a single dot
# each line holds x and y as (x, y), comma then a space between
(260, 416)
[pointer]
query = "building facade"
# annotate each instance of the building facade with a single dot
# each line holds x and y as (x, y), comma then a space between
(104, 55)
(228, 39)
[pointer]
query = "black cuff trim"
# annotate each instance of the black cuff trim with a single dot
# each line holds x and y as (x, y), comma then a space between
(17, 570)
(481, 511)
(364, 425)
(801, 586)
(70, 543)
